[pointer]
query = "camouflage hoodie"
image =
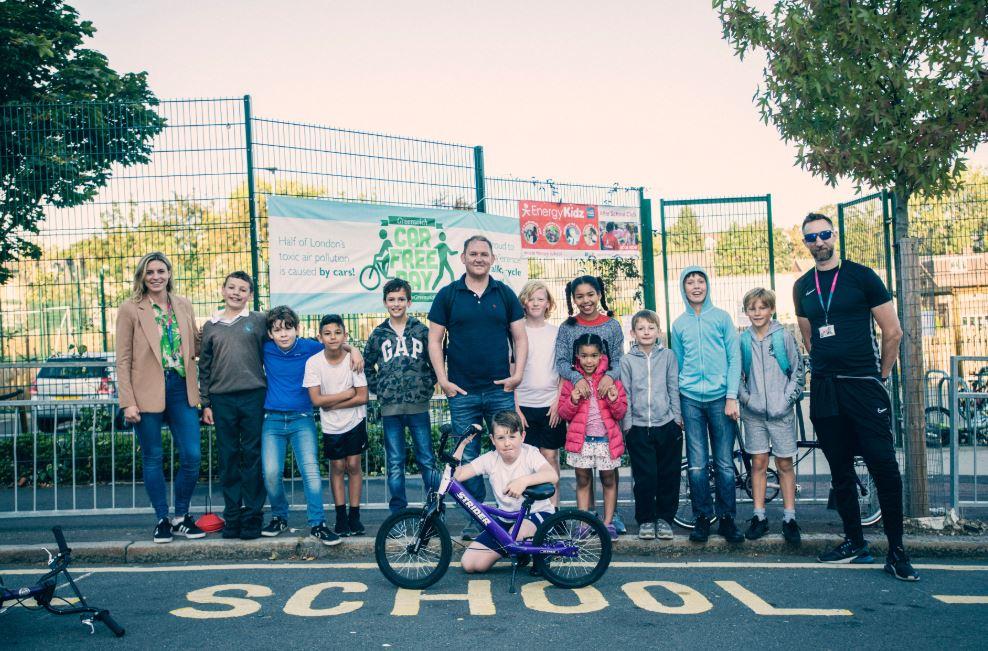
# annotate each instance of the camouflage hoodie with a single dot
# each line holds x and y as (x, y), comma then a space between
(398, 369)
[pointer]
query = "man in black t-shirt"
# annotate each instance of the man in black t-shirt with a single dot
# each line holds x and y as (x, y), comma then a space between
(837, 304)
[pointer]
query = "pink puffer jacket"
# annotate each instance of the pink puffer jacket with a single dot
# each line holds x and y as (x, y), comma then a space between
(610, 412)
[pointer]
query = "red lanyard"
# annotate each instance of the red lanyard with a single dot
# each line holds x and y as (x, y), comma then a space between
(819, 294)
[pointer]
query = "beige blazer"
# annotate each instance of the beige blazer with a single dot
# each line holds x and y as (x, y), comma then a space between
(140, 374)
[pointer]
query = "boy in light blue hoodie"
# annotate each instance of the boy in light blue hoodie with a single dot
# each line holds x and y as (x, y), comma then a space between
(705, 342)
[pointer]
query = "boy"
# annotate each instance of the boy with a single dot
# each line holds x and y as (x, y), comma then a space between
(400, 374)
(653, 426)
(706, 346)
(288, 417)
(511, 467)
(232, 391)
(341, 395)
(772, 382)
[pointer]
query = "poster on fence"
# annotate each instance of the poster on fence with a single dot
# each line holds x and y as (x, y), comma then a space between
(550, 229)
(333, 256)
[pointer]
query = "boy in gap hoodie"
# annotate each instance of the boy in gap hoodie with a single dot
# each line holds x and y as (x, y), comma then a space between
(705, 342)
(653, 426)
(400, 374)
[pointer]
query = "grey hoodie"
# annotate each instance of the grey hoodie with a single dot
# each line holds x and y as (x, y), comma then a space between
(766, 391)
(652, 384)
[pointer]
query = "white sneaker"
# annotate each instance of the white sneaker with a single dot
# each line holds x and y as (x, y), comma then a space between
(662, 530)
(647, 531)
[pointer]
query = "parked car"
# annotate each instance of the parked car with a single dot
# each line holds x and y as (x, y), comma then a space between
(71, 378)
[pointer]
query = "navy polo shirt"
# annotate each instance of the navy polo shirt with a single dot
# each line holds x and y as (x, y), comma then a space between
(285, 369)
(478, 330)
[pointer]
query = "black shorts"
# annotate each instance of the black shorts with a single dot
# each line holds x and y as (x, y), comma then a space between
(347, 444)
(539, 433)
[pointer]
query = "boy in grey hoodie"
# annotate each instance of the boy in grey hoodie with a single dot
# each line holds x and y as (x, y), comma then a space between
(772, 382)
(653, 426)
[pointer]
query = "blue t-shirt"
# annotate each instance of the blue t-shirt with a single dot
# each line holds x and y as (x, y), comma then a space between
(285, 369)
(478, 332)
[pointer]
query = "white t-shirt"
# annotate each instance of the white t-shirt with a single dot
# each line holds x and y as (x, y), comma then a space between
(500, 474)
(540, 382)
(333, 378)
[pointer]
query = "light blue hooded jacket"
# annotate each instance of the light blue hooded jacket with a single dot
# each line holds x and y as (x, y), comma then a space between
(707, 349)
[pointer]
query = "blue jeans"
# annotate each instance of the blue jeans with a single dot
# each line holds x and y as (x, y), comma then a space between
(394, 447)
(469, 409)
(183, 421)
(279, 428)
(703, 419)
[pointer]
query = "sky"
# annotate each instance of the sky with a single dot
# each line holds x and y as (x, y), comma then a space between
(638, 93)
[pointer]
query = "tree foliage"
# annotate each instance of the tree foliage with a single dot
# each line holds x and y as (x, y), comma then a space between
(66, 118)
(743, 250)
(685, 235)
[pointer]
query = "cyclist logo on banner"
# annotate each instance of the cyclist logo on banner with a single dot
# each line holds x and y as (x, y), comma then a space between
(575, 230)
(410, 246)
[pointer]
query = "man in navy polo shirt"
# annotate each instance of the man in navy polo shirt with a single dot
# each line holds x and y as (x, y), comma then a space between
(483, 322)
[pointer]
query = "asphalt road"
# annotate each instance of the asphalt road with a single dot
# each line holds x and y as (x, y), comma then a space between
(778, 603)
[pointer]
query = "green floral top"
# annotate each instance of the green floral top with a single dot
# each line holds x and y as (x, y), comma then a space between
(171, 339)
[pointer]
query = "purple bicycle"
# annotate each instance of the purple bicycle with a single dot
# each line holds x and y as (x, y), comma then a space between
(571, 548)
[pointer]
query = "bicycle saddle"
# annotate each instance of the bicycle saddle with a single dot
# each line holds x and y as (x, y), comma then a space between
(539, 491)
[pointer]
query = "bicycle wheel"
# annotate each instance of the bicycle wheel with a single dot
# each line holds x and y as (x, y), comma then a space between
(771, 485)
(395, 554)
(370, 277)
(871, 511)
(684, 514)
(584, 531)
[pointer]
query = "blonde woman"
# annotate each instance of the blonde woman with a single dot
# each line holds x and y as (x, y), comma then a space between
(157, 343)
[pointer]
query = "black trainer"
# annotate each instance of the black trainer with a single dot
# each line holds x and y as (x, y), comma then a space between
(231, 530)
(791, 532)
(847, 552)
(701, 529)
(187, 527)
(163, 531)
(757, 528)
(342, 527)
(729, 530)
(322, 533)
(897, 564)
(273, 528)
(356, 527)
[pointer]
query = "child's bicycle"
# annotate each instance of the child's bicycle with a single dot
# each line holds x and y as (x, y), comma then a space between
(43, 592)
(571, 548)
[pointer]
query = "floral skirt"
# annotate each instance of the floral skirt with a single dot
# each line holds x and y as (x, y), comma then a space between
(593, 455)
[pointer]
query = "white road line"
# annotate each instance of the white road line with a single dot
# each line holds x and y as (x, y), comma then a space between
(961, 599)
(74, 578)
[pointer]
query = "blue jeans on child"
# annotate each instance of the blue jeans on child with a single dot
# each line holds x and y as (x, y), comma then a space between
(183, 422)
(472, 408)
(703, 419)
(420, 428)
(299, 428)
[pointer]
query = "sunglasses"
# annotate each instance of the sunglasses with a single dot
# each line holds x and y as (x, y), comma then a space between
(810, 238)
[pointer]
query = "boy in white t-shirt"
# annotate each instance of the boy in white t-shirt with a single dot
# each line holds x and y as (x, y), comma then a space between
(511, 467)
(341, 395)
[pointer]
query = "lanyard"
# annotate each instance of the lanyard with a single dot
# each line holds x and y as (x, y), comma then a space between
(830, 298)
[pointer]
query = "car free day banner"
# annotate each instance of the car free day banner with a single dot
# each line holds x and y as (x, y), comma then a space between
(574, 230)
(332, 256)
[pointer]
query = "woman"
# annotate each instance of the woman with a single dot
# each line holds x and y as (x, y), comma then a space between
(157, 343)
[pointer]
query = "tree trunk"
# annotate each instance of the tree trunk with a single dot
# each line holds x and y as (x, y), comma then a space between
(909, 292)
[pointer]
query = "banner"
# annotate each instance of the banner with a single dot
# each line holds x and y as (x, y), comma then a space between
(332, 256)
(550, 229)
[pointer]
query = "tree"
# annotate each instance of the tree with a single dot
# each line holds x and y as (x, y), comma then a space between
(66, 119)
(685, 234)
(743, 250)
(889, 94)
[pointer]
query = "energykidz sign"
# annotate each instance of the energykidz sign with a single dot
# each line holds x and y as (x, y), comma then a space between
(574, 230)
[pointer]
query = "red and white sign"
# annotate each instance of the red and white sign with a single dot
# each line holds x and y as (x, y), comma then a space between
(550, 229)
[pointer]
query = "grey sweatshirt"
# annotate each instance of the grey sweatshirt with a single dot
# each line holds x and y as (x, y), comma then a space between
(231, 358)
(609, 330)
(766, 391)
(652, 383)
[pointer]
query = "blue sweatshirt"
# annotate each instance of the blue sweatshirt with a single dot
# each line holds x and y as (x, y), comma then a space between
(707, 349)
(285, 370)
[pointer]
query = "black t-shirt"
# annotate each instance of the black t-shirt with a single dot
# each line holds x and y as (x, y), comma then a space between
(853, 350)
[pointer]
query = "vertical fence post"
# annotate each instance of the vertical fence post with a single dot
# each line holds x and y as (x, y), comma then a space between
(102, 313)
(648, 259)
(479, 178)
(954, 446)
(252, 204)
(771, 242)
(665, 268)
(886, 200)
(840, 231)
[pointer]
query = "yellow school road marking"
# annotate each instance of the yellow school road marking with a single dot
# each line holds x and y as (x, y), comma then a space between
(110, 569)
(761, 607)
(961, 599)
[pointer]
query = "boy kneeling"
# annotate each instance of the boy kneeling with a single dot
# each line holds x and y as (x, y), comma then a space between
(511, 467)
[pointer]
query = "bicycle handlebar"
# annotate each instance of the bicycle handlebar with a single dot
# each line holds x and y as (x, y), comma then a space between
(104, 616)
(446, 431)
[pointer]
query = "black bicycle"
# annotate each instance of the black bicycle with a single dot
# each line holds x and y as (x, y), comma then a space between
(42, 592)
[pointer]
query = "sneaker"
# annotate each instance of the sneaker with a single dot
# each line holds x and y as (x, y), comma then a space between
(897, 564)
(619, 524)
(187, 527)
(163, 531)
(356, 528)
(276, 526)
(791, 532)
(342, 527)
(847, 552)
(701, 529)
(757, 528)
(231, 531)
(612, 530)
(322, 533)
(663, 530)
(470, 531)
(647, 531)
(729, 530)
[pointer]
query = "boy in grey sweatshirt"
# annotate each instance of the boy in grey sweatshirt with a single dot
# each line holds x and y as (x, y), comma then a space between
(653, 426)
(771, 383)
